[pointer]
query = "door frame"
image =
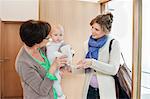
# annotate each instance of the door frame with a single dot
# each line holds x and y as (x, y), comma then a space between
(0, 58)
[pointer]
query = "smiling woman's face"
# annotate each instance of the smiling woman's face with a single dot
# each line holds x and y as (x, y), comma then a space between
(97, 31)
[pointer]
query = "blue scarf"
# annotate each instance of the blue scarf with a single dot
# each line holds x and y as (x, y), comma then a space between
(94, 45)
(93, 48)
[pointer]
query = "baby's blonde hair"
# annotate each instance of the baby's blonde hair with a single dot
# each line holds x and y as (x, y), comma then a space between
(58, 27)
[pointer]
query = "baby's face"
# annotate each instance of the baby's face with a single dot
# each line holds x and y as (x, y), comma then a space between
(57, 36)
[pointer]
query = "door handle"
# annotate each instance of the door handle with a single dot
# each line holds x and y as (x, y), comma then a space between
(1, 60)
(4, 60)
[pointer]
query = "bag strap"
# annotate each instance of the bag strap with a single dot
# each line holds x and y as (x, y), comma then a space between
(110, 47)
(122, 57)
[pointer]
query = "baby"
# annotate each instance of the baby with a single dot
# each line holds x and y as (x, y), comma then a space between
(55, 48)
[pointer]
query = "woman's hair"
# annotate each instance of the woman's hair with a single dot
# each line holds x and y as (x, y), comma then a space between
(104, 20)
(33, 32)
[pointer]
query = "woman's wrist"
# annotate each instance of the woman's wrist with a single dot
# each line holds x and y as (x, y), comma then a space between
(52, 69)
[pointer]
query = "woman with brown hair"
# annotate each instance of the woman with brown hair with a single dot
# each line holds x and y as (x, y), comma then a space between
(100, 65)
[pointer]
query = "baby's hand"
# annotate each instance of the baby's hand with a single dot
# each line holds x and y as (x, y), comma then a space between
(65, 70)
(61, 73)
(68, 68)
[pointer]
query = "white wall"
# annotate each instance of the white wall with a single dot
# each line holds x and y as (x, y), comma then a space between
(146, 50)
(0, 8)
(19, 10)
(122, 26)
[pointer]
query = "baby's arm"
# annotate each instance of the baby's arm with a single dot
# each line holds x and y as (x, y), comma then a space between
(66, 50)
(57, 54)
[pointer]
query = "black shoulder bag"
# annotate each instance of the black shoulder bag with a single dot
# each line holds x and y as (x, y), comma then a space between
(123, 79)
